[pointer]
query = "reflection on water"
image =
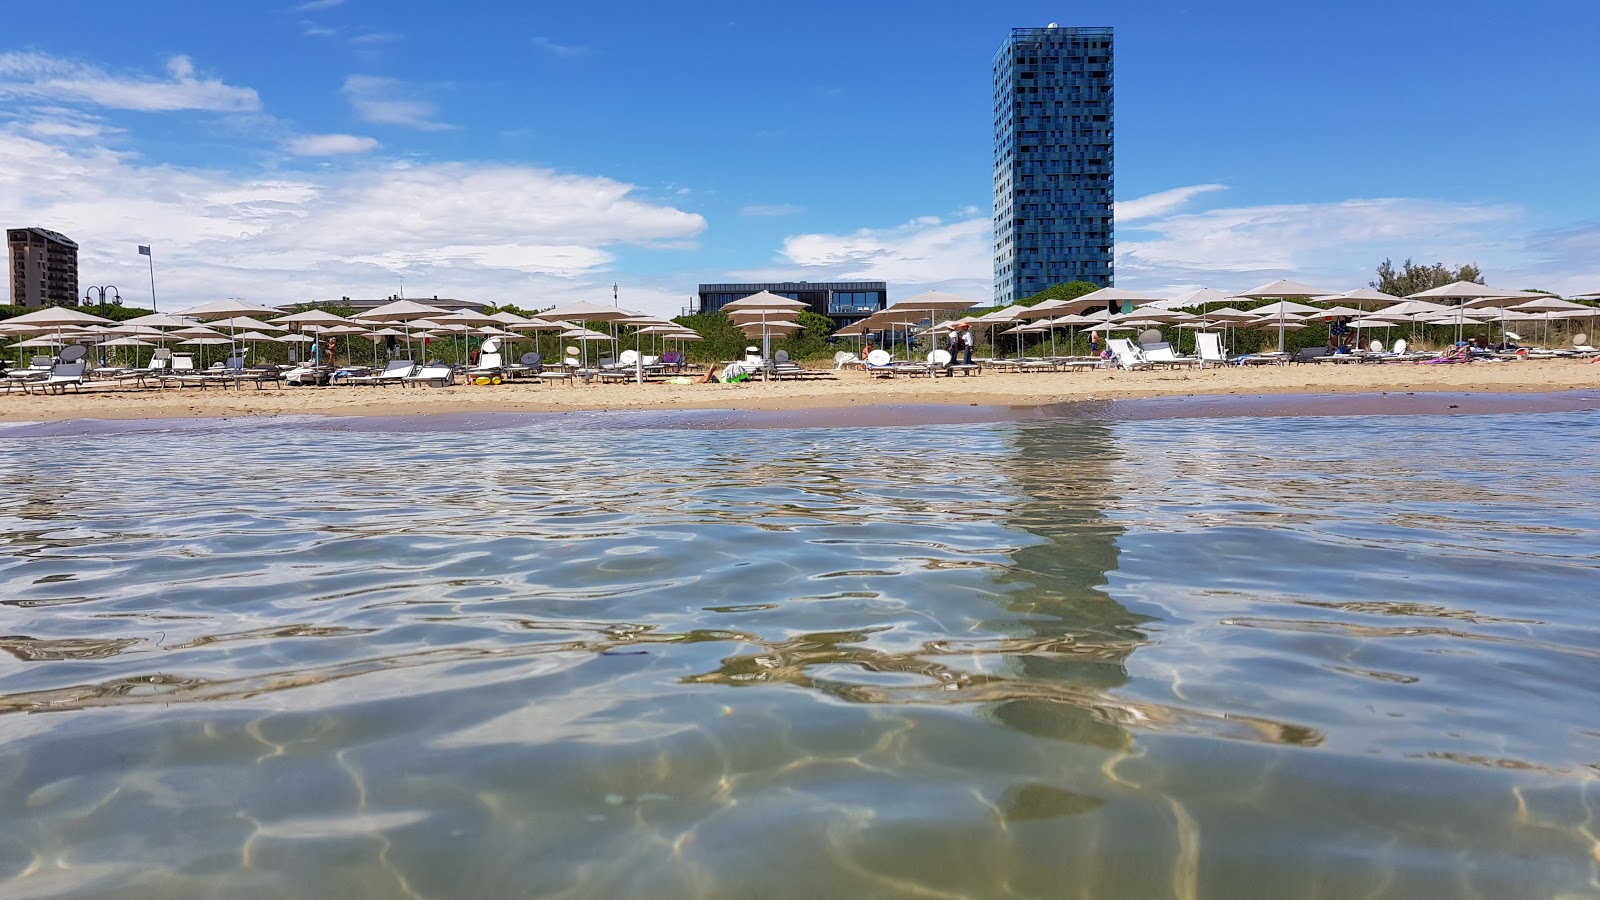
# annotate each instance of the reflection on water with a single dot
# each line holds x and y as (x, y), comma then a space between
(1175, 658)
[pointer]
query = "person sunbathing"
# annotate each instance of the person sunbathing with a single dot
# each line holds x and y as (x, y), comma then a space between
(1457, 353)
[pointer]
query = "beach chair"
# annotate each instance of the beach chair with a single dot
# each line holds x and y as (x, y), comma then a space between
(529, 364)
(37, 370)
(62, 376)
(1208, 346)
(1162, 354)
(393, 373)
(880, 364)
(1128, 356)
(490, 361)
(434, 374)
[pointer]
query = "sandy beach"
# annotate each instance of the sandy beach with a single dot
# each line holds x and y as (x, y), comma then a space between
(849, 389)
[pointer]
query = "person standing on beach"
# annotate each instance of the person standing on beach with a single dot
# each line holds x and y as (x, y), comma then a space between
(963, 337)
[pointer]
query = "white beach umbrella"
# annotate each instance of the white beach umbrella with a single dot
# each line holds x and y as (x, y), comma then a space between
(1361, 297)
(1283, 292)
(1114, 300)
(223, 309)
(311, 317)
(769, 306)
(162, 320)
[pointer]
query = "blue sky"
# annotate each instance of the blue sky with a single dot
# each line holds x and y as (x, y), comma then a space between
(510, 152)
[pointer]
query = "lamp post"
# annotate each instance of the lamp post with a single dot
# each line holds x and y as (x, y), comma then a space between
(100, 290)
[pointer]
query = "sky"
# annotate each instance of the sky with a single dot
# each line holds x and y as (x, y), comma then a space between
(539, 154)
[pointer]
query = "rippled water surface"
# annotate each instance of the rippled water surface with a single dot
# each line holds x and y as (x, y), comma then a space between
(1319, 657)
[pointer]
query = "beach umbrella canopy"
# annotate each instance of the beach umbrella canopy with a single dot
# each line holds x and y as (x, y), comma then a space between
(1361, 297)
(1345, 311)
(58, 317)
(245, 322)
(1283, 291)
(44, 341)
(764, 299)
(125, 342)
(584, 311)
(1554, 304)
(1410, 308)
(403, 311)
(1114, 299)
(312, 317)
(197, 331)
(162, 320)
(771, 311)
(1203, 298)
(223, 309)
(1460, 290)
(588, 334)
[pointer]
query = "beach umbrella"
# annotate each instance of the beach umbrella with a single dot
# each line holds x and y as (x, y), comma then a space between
(932, 303)
(769, 303)
(1361, 297)
(1114, 299)
(225, 309)
(583, 312)
(131, 343)
(1202, 298)
(203, 343)
(311, 317)
(404, 312)
(1470, 293)
(58, 317)
(1283, 292)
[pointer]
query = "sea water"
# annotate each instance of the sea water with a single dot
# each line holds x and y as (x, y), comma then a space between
(1239, 657)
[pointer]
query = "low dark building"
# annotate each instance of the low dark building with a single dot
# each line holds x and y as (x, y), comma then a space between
(842, 301)
(44, 267)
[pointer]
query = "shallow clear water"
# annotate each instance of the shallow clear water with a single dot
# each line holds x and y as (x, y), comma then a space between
(1321, 657)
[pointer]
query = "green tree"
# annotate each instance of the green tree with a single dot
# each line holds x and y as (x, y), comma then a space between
(1412, 278)
(1070, 290)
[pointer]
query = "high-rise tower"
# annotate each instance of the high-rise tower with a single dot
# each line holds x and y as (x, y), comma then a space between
(44, 267)
(1052, 160)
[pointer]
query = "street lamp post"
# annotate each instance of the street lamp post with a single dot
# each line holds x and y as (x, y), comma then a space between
(100, 291)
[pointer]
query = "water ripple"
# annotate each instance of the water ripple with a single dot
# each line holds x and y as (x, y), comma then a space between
(1208, 657)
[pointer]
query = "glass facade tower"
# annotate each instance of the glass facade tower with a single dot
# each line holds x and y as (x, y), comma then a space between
(1052, 160)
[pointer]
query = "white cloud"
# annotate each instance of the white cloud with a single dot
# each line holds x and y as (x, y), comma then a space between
(1161, 203)
(330, 144)
(555, 49)
(389, 101)
(1306, 239)
(318, 5)
(377, 37)
(37, 76)
(494, 233)
(926, 253)
(772, 209)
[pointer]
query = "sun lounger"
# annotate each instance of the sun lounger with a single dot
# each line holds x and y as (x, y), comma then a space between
(1127, 355)
(1162, 354)
(393, 373)
(1208, 346)
(433, 374)
(62, 376)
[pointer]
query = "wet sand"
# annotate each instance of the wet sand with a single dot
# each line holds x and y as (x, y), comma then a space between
(845, 398)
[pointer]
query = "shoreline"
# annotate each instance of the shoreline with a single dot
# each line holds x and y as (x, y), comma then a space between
(853, 399)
